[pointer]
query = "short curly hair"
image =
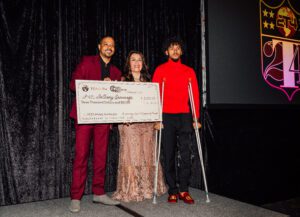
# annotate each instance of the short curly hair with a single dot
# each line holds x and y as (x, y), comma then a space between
(173, 41)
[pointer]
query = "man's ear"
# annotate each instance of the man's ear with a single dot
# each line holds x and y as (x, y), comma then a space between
(167, 53)
(99, 46)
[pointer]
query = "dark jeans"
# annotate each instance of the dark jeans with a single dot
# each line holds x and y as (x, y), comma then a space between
(177, 130)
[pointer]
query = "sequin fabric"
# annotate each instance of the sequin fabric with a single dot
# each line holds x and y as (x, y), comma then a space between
(136, 170)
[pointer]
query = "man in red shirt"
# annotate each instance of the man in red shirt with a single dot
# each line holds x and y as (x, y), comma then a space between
(177, 118)
(92, 68)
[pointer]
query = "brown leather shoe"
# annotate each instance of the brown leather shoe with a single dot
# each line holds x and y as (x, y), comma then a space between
(186, 197)
(173, 198)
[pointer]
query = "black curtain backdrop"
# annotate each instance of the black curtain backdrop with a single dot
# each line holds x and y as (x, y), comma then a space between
(40, 44)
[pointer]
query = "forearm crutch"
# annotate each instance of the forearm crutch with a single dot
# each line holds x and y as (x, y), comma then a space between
(198, 137)
(157, 149)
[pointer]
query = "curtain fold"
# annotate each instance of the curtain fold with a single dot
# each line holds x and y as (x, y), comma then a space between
(41, 42)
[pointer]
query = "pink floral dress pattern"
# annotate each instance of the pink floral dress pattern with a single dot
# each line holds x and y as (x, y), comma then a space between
(136, 171)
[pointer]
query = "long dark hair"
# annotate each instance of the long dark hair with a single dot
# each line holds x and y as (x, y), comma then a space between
(145, 76)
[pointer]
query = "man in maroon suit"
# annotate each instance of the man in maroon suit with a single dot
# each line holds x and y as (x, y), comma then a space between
(92, 68)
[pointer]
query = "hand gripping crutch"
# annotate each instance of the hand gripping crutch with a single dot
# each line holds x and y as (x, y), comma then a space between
(157, 152)
(198, 137)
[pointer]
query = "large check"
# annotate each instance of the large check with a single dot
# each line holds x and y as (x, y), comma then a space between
(117, 102)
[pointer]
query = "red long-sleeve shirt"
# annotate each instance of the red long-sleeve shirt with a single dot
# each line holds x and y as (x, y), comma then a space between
(176, 78)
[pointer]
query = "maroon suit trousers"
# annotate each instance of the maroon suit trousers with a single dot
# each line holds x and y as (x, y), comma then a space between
(98, 135)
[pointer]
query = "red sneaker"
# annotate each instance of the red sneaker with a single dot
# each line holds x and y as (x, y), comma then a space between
(173, 198)
(186, 197)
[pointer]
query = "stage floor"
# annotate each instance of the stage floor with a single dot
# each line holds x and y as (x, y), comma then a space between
(217, 207)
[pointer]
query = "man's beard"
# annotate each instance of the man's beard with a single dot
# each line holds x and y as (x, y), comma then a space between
(107, 55)
(175, 60)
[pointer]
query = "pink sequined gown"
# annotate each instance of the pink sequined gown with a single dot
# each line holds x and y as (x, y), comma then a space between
(136, 171)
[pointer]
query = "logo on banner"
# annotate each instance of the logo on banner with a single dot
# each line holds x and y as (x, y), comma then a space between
(85, 88)
(280, 46)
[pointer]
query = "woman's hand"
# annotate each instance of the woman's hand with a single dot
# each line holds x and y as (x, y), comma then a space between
(158, 126)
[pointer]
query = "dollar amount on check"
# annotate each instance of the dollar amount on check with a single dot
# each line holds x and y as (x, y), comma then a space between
(117, 102)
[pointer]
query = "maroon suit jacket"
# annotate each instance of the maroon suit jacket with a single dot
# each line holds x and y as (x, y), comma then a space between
(90, 69)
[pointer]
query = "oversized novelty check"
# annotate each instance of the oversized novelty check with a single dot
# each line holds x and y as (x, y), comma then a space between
(117, 102)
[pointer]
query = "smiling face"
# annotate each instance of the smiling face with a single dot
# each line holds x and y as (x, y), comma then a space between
(106, 48)
(135, 63)
(174, 52)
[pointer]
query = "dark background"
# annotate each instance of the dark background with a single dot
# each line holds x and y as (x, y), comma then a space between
(234, 61)
(250, 153)
(254, 153)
